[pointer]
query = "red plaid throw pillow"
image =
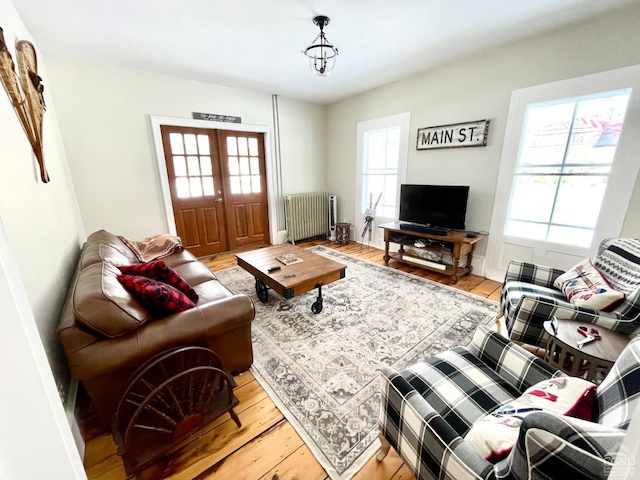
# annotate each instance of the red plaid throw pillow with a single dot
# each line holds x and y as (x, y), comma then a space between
(157, 297)
(159, 271)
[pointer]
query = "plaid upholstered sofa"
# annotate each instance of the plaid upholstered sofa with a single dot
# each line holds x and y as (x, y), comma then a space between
(529, 298)
(429, 407)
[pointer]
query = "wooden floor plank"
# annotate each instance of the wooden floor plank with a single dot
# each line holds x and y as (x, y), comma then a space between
(385, 469)
(300, 465)
(222, 441)
(98, 449)
(486, 288)
(257, 457)
(266, 446)
(403, 474)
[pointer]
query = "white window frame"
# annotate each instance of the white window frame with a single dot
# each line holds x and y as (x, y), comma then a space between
(402, 120)
(622, 178)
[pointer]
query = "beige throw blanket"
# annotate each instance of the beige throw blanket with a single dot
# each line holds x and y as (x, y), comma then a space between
(152, 248)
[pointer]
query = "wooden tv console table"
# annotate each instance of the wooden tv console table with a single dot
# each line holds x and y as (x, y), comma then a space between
(460, 245)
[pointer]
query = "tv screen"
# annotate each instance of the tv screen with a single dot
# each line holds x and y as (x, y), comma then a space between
(434, 205)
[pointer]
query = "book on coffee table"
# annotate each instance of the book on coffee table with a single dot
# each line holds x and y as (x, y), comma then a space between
(288, 259)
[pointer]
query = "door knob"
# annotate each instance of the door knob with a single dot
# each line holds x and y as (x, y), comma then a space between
(218, 199)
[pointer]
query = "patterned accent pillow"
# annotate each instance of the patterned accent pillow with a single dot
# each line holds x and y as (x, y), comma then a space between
(584, 286)
(159, 298)
(494, 435)
(159, 271)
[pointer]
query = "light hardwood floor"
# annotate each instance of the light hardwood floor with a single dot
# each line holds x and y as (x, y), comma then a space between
(266, 447)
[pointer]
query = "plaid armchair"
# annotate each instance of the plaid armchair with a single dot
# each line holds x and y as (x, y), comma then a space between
(428, 408)
(528, 297)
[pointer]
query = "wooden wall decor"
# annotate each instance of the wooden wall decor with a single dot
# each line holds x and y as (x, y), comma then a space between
(28, 102)
(468, 134)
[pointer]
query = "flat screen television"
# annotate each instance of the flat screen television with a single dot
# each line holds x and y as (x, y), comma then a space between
(443, 206)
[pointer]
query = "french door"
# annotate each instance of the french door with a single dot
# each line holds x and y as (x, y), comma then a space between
(217, 181)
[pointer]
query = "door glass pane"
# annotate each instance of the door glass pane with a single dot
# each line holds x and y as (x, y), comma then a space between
(246, 184)
(207, 186)
(235, 185)
(253, 147)
(234, 169)
(194, 166)
(203, 145)
(196, 186)
(244, 166)
(242, 146)
(182, 187)
(175, 139)
(205, 166)
(179, 166)
(255, 184)
(255, 166)
(232, 147)
(190, 144)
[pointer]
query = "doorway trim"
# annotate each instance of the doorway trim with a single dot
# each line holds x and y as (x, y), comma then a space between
(273, 185)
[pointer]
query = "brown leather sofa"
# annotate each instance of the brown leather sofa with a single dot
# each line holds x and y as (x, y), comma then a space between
(106, 334)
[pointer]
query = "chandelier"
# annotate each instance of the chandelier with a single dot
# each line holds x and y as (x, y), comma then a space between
(321, 54)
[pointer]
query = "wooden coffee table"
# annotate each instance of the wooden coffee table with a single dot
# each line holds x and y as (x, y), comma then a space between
(313, 271)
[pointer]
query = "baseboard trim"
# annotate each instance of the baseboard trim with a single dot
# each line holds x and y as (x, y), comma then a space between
(72, 418)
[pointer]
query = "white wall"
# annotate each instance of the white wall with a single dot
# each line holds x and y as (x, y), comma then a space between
(35, 439)
(42, 221)
(477, 88)
(103, 113)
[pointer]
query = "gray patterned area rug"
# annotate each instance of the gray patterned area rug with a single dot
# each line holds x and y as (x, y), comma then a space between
(320, 370)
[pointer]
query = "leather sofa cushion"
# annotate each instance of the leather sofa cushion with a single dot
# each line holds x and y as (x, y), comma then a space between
(101, 303)
(102, 252)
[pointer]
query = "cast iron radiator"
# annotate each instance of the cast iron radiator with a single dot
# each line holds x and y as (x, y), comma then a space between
(307, 215)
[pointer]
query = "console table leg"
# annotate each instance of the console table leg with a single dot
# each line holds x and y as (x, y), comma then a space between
(469, 258)
(456, 266)
(386, 253)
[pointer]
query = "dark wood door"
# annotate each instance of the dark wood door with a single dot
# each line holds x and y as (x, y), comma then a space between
(245, 180)
(218, 188)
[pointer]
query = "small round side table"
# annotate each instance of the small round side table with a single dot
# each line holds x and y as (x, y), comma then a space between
(593, 361)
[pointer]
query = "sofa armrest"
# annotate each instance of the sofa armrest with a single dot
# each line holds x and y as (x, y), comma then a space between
(555, 446)
(532, 273)
(533, 310)
(519, 367)
(424, 440)
(191, 327)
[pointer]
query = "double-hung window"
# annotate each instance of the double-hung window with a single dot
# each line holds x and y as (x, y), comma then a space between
(564, 162)
(382, 159)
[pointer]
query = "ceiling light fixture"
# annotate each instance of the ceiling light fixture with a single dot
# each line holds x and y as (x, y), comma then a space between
(321, 54)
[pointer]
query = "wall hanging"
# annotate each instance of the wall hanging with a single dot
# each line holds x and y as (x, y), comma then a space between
(28, 101)
(469, 134)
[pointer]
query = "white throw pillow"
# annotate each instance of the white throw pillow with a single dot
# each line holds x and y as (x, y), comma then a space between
(584, 286)
(494, 435)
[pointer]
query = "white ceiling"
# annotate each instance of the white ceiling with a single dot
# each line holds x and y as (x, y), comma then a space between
(257, 44)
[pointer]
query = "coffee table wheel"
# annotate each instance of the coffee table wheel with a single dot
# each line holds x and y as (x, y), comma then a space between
(317, 306)
(262, 291)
